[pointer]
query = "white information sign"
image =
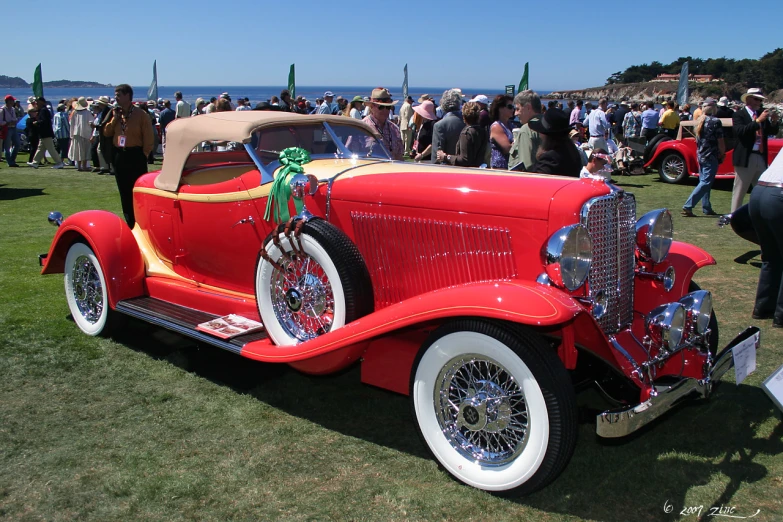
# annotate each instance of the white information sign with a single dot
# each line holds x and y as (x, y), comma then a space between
(745, 357)
(774, 387)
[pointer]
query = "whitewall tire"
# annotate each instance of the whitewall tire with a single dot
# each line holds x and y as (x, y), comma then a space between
(85, 290)
(494, 405)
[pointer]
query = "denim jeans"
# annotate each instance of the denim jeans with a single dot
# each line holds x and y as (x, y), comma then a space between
(701, 193)
(11, 146)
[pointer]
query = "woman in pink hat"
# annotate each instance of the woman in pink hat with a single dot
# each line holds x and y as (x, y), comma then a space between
(424, 119)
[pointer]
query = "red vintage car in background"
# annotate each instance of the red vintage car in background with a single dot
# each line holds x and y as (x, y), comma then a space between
(486, 296)
(676, 159)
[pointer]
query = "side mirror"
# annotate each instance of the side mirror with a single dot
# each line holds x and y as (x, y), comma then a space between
(55, 218)
(302, 184)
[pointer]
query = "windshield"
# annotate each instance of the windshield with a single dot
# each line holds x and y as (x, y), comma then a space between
(319, 139)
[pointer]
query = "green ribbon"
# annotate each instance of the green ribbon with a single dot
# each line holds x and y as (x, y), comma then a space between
(292, 160)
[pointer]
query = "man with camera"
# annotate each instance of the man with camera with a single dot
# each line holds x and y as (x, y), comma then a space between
(752, 127)
(133, 140)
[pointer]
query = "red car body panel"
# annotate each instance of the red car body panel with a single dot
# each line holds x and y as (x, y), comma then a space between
(113, 244)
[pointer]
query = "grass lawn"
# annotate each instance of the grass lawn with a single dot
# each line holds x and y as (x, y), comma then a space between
(150, 426)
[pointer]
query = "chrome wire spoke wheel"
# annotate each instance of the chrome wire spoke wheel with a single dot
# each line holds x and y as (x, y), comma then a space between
(673, 166)
(481, 409)
(87, 289)
(302, 298)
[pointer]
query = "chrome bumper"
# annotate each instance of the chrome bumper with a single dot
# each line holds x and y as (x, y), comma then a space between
(623, 421)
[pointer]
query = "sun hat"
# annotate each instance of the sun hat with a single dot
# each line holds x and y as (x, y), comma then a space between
(724, 101)
(200, 101)
(708, 101)
(424, 97)
(357, 98)
(573, 133)
(381, 96)
(480, 98)
(81, 104)
(753, 92)
(31, 99)
(554, 121)
(426, 110)
(328, 94)
(103, 100)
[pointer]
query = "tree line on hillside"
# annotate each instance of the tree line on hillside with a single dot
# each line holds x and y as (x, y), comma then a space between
(766, 72)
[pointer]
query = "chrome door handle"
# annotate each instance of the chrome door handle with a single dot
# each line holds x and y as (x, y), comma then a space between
(248, 219)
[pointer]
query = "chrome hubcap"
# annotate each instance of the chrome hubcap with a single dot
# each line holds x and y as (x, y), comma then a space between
(481, 409)
(302, 297)
(673, 167)
(87, 289)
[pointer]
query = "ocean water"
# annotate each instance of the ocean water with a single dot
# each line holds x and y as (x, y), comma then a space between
(255, 93)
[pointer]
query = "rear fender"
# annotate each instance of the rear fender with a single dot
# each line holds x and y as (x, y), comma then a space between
(515, 301)
(114, 246)
(690, 160)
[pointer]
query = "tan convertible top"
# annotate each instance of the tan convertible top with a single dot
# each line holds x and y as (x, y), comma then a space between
(183, 135)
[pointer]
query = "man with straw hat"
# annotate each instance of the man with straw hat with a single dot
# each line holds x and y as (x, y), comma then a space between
(380, 104)
(752, 127)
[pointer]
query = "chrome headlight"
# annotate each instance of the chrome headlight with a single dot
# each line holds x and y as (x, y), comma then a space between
(654, 233)
(569, 254)
(698, 306)
(665, 325)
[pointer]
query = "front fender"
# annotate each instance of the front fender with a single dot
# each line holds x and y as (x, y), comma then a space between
(114, 246)
(523, 302)
(686, 152)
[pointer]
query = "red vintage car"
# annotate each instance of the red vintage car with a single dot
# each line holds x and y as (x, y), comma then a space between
(676, 159)
(489, 297)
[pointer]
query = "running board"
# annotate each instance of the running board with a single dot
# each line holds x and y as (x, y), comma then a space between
(183, 320)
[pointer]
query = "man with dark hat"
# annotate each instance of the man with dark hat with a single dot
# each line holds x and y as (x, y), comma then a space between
(380, 104)
(752, 126)
(557, 154)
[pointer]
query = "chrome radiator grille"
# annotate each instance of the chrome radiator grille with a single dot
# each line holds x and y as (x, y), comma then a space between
(409, 256)
(611, 222)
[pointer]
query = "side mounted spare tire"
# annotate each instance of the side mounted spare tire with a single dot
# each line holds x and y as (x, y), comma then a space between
(649, 151)
(307, 293)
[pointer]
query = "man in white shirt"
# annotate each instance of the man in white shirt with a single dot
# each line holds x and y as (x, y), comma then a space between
(326, 106)
(406, 112)
(183, 107)
(766, 212)
(598, 126)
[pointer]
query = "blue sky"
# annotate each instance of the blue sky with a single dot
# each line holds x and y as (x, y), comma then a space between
(452, 44)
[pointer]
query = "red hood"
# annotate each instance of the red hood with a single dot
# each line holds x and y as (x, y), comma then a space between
(478, 191)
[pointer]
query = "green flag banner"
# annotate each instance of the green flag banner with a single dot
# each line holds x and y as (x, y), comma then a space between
(37, 82)
(523, 83)
(292, 82)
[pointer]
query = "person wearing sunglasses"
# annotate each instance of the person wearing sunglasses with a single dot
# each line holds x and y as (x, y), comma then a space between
(380, 104)
(500, 136)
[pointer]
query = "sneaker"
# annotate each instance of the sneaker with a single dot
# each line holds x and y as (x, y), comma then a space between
(686, 212)
(711, 212)
(58, 165)
(32, 164)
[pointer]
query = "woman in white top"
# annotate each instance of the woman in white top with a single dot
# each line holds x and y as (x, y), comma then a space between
(355, 107)
(80, 134)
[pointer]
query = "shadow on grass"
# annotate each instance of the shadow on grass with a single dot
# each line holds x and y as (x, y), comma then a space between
(623, 479)
(747, 256)
(8, 194)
